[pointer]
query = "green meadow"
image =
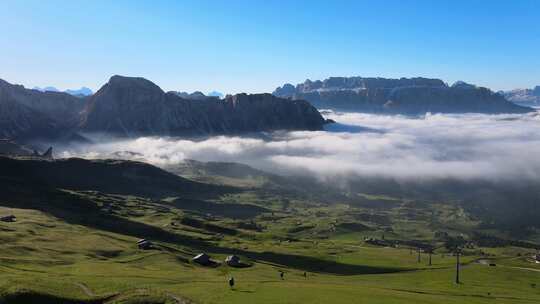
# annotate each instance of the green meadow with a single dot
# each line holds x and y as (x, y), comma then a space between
(73, 246)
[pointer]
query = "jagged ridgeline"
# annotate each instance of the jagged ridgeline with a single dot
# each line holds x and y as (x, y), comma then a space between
(130, 106)
(528, 97)
(409, 96)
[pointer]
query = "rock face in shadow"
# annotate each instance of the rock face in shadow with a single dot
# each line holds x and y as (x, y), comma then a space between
(31, 114)
(409, 96)
(61, 107)
(109, 176)
(129, 106)
(19, 121)
(8, 147)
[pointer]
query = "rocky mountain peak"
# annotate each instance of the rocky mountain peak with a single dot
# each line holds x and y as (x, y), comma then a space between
(410, 96)
(132, 83)
(130, 106)
(524, 96)
(463, 85)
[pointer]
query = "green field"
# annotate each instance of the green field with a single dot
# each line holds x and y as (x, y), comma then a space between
(73, 246)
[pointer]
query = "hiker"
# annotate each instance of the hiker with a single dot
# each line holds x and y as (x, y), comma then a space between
(281, 274)
(231, 282)
(305, 274)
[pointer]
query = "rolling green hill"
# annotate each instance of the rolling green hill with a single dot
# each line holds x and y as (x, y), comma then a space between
(78, 221)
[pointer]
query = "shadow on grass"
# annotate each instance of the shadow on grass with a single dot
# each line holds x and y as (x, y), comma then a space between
(79, 211)
(230, 210)
(25, 297)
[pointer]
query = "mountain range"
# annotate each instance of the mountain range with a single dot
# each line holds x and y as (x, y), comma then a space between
(132, 106)
(409, 96)
(528, 97)
(197, 95)
(82, 92)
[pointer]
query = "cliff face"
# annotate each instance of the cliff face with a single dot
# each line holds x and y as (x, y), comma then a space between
(410, 96)
(129, 106)
(261, 112)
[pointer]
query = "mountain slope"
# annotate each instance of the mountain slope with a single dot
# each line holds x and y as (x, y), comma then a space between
(109, 176)
(408, 96)
(129, 106)
(20, 122)
(61, 107)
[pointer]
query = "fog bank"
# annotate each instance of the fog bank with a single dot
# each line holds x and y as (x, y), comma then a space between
(466, 146)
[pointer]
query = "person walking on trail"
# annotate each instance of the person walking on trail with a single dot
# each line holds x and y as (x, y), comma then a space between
(282, 274)
(231, 282)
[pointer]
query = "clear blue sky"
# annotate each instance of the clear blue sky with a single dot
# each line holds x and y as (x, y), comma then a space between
(254, 46)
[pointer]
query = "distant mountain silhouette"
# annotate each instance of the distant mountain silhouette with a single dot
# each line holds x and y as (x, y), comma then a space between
(409, 96)
(83, 91)
(46, 89)
(215, 94)
(197, 95)
(529, 97)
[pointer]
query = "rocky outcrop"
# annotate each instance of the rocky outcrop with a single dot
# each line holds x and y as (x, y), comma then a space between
(529, 97)
(410, 96)
(129, 106)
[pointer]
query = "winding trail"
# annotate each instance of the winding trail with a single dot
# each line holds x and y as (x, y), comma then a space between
(178, 299)
(524, 268)
(85, 289)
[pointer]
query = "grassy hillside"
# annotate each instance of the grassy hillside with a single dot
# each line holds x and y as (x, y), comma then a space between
(77, 244)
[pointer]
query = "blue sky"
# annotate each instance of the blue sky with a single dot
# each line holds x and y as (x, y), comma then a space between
(255, 46)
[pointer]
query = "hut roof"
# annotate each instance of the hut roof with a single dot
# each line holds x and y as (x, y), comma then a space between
(232, 258)
(201, 257)
(8, 218)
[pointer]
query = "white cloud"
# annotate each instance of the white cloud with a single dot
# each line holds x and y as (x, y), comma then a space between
(435, 146)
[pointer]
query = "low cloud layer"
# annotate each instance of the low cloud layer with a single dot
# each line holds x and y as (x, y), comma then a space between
(435, 146)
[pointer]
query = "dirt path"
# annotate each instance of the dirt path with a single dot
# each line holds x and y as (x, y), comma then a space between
(85, 289)
(525, 268)
(178, 299)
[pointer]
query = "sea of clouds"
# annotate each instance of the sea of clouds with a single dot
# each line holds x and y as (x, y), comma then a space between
(464, 146)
